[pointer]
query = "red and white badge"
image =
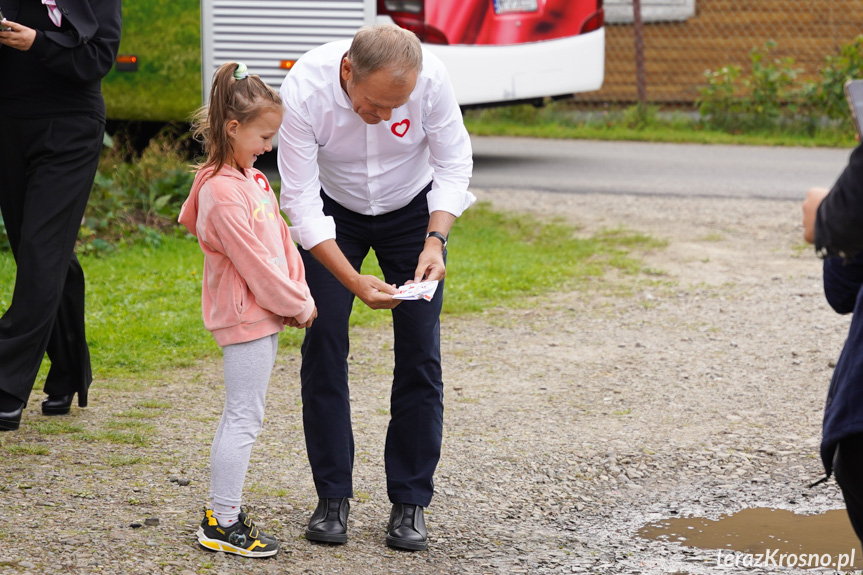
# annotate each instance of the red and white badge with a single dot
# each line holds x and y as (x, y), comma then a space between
(262, 181)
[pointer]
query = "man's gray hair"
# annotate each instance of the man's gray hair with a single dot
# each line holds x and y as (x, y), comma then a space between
(385, 46)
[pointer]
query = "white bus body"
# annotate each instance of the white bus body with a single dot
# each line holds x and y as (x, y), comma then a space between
(496, 51)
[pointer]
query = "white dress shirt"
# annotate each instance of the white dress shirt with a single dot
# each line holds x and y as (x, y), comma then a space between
(368, 169)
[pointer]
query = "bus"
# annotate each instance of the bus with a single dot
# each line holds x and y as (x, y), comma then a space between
(496, 51)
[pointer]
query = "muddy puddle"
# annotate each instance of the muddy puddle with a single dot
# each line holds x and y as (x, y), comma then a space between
(767, 538)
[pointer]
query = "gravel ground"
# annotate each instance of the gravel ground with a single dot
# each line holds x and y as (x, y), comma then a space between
(694, 389)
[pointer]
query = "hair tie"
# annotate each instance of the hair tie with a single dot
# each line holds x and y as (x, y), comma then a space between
(242, 72)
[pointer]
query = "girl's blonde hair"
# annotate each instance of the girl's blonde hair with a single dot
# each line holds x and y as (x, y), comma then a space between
(235, 95)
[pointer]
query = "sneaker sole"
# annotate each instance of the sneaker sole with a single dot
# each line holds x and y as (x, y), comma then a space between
(326, 537)
(408, 545)
(216, 545)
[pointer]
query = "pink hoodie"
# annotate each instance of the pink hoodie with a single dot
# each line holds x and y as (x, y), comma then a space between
(253, 274)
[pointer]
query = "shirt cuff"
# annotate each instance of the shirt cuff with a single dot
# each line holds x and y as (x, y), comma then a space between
(454, 202)
(313, 232)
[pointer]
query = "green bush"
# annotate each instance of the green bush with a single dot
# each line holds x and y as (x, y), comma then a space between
(733, 101)
(828, 94)
(771, 96)
(136, 196)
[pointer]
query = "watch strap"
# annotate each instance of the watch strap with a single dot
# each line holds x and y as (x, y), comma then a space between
(438, 235)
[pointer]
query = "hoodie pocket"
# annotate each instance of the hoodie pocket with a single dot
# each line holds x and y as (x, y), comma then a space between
(240, 295)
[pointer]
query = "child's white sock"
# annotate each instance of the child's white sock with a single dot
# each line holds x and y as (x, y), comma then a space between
(226, 515)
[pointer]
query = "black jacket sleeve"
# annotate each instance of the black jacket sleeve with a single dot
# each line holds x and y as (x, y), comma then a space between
(839, 223)
(842, 282)
(89, 50)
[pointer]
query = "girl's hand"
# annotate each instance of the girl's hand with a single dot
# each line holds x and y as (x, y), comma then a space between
(19, 37)
(292, 321)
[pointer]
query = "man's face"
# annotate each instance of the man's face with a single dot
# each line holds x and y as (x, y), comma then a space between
(377, 95)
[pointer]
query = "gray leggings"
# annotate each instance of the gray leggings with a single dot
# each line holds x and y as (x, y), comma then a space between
(247, 372)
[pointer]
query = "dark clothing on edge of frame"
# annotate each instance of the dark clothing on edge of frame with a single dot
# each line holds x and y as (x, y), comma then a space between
(839, 223)
(53, 120)
(843, 412)
(842, 436)
(61, 73)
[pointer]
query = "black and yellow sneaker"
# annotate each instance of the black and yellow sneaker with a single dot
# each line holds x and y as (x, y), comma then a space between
(243, 537)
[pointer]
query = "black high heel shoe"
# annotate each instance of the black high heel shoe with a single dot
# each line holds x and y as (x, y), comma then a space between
(57, 404)
(10, 420)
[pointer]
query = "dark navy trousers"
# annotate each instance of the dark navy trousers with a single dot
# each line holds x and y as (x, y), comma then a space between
(416, 405)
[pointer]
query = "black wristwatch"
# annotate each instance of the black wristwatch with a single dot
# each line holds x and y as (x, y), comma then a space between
(439, 236)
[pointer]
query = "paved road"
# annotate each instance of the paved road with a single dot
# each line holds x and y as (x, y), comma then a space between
(587, 166)
(580, 166)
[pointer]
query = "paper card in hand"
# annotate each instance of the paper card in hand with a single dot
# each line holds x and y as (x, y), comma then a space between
(419, 290)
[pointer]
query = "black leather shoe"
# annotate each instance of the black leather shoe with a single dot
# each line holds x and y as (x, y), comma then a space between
(57, 404)
(10, 420)
(329, 522)
(407, 528)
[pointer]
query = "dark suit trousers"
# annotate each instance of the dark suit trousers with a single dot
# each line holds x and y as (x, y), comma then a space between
(47, 167)
(415, 430)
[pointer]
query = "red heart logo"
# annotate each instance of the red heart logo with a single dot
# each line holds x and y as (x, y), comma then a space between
(401, 128)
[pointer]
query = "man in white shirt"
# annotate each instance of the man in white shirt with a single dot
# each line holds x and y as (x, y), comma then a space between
(373, 154)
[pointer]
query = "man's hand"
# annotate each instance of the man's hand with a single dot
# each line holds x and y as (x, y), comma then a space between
(19, 37)
(374, 292)
(430, 265)
(810, 210)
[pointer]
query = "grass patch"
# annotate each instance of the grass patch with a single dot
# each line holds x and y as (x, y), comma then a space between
(268, 490)
(154, 404)
(144, 310)
(498, 259)
(28, 449)
(138, 414)
(55, 427)
(122, 460)
(561, 120)
(138, 426)
(114, 436)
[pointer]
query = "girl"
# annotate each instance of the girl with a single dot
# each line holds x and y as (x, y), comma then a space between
(253, 285)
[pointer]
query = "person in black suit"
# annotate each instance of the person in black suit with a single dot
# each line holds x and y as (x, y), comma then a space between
(53, 56)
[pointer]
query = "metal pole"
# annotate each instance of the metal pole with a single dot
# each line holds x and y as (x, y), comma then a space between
(638, 32)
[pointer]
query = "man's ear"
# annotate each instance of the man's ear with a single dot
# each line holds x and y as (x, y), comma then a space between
(346, 69)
